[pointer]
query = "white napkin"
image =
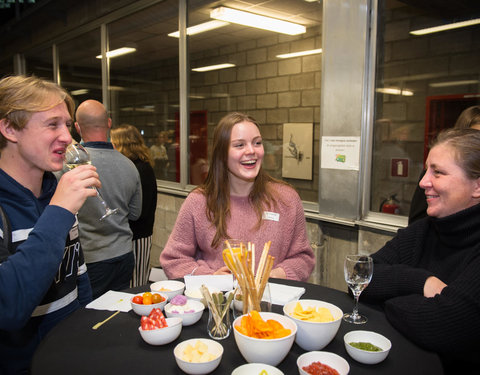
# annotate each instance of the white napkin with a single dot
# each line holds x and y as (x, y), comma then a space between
(112, 301)
(282, 294)
(220, 282)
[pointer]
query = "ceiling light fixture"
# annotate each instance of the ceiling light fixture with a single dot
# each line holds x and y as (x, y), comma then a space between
(118, 52)
(213, 67)
(301, 53)
(448, 26)
(394, 91)
(201, 28)
(79, 92)
(454, 83)
(256, 20)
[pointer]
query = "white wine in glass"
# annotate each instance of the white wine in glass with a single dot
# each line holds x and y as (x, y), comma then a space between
(76, 155)
(358, 271)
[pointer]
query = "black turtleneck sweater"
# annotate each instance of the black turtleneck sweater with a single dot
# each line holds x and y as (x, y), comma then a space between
(448, 248)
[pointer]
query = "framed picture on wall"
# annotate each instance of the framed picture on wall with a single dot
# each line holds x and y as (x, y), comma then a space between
(297, 151)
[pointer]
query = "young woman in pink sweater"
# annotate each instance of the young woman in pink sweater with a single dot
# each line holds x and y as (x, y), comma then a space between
(239, 200)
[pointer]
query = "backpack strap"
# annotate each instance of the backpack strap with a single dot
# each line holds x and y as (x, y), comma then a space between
(6, 244)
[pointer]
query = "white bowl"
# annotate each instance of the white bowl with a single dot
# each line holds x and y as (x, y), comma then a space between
(269, 351)
(330, 359)
(314, 335)
(188, 318)
(142, 309)
(196, 294)
(256, 368)
(198, 368)
(365, 356)
(162, 336)
(169, 287)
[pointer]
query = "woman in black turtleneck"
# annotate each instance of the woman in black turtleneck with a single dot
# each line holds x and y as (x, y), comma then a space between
(428, 276)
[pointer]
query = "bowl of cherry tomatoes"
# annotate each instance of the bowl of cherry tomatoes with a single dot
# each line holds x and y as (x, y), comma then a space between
(155, 329)
(144, 303)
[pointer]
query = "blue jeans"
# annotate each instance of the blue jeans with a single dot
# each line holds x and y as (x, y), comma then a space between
(111, 274)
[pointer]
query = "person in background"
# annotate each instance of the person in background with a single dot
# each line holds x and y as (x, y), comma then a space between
(108, 243)
(469, 118)
(160, 155)
(45, 278)
(239, 200)
(427, 276)
(128, 140)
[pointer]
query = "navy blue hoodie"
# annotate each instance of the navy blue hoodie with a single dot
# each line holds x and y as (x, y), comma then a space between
(38, 284)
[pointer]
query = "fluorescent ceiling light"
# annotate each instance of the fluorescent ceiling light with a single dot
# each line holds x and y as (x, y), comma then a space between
(454, 83)
(137, 109)
(118, 52)
(213, 67)
(255, 20)
(201, 28)
(449, 26)
(394, 91)
(301, 53)
(79, 92)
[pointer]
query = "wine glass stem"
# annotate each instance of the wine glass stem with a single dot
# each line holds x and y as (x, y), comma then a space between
(355, 306)
(102, 201)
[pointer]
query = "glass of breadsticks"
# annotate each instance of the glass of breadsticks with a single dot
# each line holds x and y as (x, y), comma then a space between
(253, 292)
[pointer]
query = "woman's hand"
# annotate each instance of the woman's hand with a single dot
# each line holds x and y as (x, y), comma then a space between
(222, 271)
(433, 286)
(278, 273)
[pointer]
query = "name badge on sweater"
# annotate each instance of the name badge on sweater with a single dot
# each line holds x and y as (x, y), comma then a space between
(270, 216)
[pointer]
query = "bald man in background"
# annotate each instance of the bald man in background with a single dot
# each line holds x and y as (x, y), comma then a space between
(107, 244)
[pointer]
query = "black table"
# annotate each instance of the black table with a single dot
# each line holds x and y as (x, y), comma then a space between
(73, 347)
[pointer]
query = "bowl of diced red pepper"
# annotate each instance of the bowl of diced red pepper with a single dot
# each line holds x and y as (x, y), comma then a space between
(155, 329)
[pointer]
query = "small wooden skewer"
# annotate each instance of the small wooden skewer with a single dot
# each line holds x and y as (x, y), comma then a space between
(253, 259)
(104, 321)
(268, 268)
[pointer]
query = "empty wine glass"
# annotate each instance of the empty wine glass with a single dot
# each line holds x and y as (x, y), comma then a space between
(358, 271)
(76, 155)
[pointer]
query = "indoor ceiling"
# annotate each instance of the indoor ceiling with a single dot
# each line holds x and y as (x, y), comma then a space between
(148, 29)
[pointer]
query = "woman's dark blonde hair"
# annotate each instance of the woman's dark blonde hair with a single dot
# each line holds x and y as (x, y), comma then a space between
(216, 187)
(128, 140)
(466, 146)
(22, 96)
(468, 118)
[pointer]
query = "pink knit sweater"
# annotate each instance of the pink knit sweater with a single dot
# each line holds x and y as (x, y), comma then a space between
(189, 244)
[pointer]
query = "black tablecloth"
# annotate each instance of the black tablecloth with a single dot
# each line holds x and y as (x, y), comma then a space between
(73, 347)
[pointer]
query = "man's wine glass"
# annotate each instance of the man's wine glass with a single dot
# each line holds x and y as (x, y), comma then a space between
(76, 155)
(358, 271)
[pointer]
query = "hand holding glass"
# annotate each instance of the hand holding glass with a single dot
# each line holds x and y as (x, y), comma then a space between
(358, 271)
(76, 155)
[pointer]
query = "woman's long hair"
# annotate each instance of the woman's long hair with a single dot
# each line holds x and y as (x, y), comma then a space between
(216, 187)
(128, 140)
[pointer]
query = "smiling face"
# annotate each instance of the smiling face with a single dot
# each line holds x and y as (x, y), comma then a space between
(447, 188)
(245, 154)
(40, 145)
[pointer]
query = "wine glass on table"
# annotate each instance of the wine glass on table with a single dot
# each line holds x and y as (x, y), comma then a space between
(358, 271)
(76, 155)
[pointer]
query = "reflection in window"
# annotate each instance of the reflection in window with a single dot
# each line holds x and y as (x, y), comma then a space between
(80, 70)
(240, 68)
(144, 89)
(423, 82)
(38, 62)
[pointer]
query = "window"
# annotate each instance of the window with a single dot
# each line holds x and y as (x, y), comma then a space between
(144, 89)
(261, 81)
(422, 82)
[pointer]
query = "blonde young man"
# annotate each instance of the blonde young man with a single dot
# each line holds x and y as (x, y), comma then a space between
(45, 278)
